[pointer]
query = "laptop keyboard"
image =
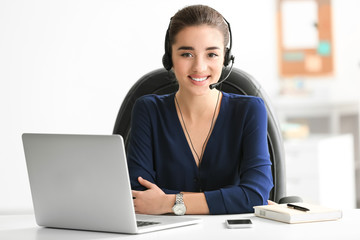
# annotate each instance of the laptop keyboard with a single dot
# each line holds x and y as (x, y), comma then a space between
(145, 223)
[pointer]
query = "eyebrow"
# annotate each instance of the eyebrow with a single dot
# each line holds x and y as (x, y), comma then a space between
(191, 48)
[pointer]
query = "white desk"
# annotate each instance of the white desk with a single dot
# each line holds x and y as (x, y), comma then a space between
(16, 227)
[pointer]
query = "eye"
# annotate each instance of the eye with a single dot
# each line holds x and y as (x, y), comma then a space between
(212, 55)
(187, 55)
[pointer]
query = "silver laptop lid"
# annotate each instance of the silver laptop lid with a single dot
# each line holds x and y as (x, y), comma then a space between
(80, 182)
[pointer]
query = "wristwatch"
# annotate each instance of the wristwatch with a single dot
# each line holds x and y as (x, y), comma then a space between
(179, 208)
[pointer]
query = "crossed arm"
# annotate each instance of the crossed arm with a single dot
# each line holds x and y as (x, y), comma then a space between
(155, 201)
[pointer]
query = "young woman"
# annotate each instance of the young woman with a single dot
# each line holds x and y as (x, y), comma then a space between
(198, 151)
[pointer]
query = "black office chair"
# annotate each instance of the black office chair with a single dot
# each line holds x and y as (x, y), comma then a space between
(161, 81)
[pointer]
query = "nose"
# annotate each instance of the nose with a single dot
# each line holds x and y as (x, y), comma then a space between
(199, 64)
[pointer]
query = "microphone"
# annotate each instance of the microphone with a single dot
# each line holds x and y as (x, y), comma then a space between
(214, 85)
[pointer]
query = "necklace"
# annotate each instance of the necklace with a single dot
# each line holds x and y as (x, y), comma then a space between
(208, 135)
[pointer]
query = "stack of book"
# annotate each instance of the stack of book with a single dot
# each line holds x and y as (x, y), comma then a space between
(297, 213)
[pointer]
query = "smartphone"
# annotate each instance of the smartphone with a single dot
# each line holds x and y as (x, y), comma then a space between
(238, 223)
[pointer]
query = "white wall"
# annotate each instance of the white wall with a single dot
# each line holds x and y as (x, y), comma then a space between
(65, 66)
(346, 26)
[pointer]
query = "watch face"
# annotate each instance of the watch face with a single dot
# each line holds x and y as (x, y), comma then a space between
(179, 209)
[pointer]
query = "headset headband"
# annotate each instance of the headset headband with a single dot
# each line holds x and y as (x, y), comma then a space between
(167, 58)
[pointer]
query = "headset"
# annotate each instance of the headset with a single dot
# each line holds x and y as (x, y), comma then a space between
(167, 61)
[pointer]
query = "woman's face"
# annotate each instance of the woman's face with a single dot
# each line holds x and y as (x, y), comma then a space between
(198, 56)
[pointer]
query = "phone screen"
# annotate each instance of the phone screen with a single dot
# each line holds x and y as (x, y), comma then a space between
(238, 223)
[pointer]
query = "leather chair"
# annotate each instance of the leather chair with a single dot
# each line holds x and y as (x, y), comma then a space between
(161, 81)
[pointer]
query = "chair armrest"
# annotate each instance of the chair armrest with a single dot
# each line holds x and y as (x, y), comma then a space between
(290, 199)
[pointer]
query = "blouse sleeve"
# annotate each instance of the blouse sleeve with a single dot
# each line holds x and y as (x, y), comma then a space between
(139, 154)
(255, 168)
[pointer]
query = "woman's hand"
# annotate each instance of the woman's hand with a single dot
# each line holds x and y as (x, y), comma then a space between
(271, 202)
(153, 200)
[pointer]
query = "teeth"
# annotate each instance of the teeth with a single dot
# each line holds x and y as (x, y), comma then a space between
(199, 79)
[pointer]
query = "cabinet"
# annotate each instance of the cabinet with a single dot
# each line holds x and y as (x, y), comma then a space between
(320, 169)
(331, 116)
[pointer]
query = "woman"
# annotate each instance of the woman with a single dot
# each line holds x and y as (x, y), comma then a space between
(198, 151)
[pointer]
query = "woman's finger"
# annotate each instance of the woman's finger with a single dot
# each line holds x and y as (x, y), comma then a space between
(145, 183)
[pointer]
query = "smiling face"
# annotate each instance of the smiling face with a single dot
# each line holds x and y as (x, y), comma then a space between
(198, 56)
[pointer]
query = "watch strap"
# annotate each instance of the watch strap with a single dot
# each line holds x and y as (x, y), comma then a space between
(179, 198)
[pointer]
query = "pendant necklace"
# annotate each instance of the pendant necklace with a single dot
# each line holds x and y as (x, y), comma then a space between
(208, 135)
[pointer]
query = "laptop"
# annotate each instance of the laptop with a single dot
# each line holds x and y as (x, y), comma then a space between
(82, 182)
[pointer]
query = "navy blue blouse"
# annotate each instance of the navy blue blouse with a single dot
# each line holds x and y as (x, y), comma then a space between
(235, 171)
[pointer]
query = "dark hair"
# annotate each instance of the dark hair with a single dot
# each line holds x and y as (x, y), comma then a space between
(197, 15)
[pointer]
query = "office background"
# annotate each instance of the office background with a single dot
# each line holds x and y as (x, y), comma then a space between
(65, 67)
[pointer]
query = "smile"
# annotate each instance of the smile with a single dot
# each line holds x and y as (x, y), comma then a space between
(199, 79)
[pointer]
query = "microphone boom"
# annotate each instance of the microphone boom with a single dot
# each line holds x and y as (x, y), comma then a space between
(214, 85)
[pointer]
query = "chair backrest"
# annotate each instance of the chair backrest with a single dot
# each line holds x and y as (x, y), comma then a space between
(161, 81)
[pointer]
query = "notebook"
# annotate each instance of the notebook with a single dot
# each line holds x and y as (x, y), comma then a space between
(289, 214)
(82, 182)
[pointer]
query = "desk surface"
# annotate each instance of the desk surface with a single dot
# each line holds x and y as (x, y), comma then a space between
(24, 227)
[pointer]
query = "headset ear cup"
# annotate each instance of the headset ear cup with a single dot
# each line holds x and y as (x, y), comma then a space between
(167, 62)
